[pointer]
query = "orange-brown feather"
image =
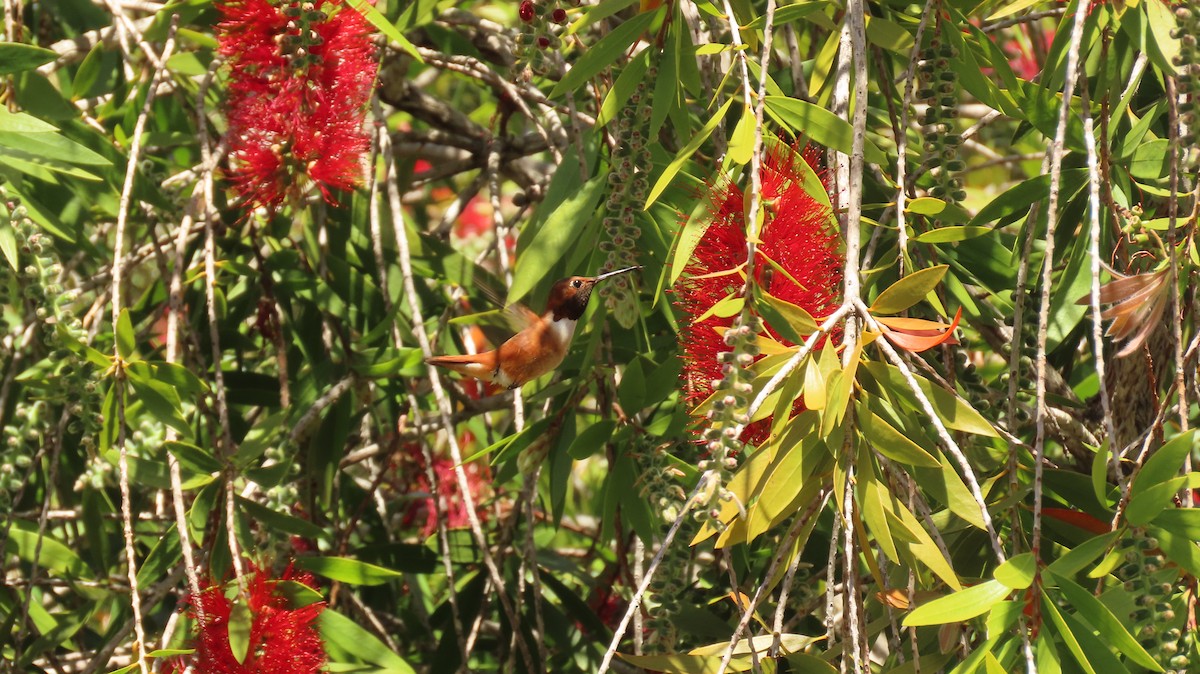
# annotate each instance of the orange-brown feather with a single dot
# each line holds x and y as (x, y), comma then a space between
(481, 366)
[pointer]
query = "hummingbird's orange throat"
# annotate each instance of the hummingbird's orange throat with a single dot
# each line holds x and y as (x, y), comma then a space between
(541, 345)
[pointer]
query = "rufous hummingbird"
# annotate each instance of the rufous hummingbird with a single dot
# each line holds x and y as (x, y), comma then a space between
(542, 342)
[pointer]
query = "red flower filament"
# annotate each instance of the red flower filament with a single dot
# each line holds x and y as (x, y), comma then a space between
(282, 640)
(301, 74)
(798, 234)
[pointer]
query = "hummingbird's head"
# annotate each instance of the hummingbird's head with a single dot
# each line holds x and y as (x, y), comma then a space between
(569, 297)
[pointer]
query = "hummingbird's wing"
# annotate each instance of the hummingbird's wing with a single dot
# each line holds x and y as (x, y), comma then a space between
(516, 315)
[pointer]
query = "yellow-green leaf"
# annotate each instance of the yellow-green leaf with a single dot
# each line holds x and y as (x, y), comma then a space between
(908, 291)
(962, 605)
(891, 442)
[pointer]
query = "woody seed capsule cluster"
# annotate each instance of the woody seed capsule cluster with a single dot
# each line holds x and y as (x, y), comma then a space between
(628, 186)
(1154, 591)
(939, 87)
(659, 487)
(1187, 16)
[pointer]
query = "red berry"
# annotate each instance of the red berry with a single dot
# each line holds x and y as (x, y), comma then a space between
(543, 41)
(559, 15)
(526, 11)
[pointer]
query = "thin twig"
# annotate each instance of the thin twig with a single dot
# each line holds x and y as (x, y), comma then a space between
(784, 550)
(902, 134)
(948, 442)
(443, 402)
(636, 600)
(118, 370)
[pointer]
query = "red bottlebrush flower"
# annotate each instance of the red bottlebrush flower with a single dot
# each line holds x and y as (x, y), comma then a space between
(476, 219)
(798, 234)
(422, 512)
(282, 639)
(301, 74)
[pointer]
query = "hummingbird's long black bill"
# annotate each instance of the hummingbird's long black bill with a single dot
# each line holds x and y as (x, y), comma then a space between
(617, 272)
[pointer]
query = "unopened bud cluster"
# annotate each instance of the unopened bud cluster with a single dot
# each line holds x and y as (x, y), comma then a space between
(56, 382)
(299, 39)
(539, 20)
(1158, 615)
(627, 193)
(939, 92)
(728, 417)
(1187, 63)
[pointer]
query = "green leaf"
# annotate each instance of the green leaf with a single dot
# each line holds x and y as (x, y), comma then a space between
(1112, 632)
(1090, 652)
(951, 234)
(160, 400)
(339, 630)
(126, 343)
(348, 570)
(20, 122)
(925, 206)
(788, 14)
(591, 439)
(1018, 571)
(618, 96)
(377, 19)
(1150, 161)
(52, 147)
(16, 57)
(8, 244)
(681, 158)
(688, 238)
(1012, 8)
(604, 53)
(1083, 554)
(1014, 200)
(889, 35)
(1163, 46)
(632, 391)
(741, 141)
(1153, 500)
(240, 620)
(795, 319)
(52, 555)
(908, 291)
(1182, 551)
(1165, 463)
(955, 412)
(1184, 522)
(556, 235)
(821, 125)
(891, 442)
(959, 606)
(282, 522)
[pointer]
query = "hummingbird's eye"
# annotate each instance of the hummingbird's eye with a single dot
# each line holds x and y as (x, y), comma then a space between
(577, 283)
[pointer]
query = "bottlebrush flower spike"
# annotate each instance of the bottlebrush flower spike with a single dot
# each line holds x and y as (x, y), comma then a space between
(282, 640)
(798, 234)
(301, 75)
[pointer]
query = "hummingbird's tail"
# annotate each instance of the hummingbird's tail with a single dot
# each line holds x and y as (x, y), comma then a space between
(481, 366)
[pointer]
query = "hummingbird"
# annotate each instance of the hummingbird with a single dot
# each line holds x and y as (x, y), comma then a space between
(542, 342)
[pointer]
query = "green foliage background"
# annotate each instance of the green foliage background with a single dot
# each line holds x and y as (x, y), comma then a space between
(265, 373)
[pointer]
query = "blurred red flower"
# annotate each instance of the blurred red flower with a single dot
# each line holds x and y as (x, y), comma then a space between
(422, 512)
(301, 75)
(282, 639)
(798, 234)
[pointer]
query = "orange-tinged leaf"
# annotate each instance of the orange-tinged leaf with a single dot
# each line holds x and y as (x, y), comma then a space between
(1079, 519)
(920, 339)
